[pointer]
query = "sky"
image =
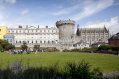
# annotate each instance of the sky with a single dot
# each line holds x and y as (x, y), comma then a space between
(86, 13)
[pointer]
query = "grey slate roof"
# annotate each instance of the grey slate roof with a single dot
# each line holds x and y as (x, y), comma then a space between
(116, 36)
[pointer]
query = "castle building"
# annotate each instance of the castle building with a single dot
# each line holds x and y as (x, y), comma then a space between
(66, 33)
(92, 35)
(62, 37)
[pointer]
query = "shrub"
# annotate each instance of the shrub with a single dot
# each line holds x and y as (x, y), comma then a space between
(80, 70)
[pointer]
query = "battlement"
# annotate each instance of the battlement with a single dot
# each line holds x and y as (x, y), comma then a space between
(64, 22)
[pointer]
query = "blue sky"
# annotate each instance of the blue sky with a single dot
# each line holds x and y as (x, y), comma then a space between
(86, 13)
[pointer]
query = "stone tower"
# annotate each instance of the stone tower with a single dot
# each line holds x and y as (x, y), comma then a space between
(66, 33)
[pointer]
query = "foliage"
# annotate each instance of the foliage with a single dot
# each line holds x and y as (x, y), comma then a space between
(80, 70)
(51, 49)
(108, 47)
(1, 48)
(36, 47)
(4, 45)
(9, 46)
(24, 47)
(66, 50)
(75, 50)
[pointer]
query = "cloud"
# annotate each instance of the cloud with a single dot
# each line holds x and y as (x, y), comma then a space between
(10, 1)
(7, 1)
(83, 8)
(64, 11)
(92, 7)
(112, 24)
(25, 11)
(60, 12)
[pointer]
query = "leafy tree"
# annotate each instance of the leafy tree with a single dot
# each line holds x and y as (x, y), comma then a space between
(9, 46)
(1, 48)
(36, 47)
(24, 46)
(5, 45)
(103, 47)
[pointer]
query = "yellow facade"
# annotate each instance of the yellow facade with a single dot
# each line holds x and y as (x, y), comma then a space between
(3, 31)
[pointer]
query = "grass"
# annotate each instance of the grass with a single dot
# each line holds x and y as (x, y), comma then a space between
(107, 63)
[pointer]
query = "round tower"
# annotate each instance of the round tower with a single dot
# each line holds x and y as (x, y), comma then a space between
(66, 32)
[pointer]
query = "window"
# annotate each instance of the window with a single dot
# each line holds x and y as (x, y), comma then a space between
(52, 42)
(48, 42)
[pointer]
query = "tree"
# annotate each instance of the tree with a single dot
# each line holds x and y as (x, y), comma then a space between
(36, 47)
(78, 32)
(1, 48)
(5, 45)
(9, 46)
(24, 47)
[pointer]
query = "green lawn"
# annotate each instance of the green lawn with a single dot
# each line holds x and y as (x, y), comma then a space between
(105, 62)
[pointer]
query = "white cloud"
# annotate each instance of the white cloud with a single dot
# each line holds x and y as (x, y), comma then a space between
(10, 1)
(7, 1)
(112, 25)
(92, 7)
(25, 11)
(60, 12)
(63, 11)
(84, 8)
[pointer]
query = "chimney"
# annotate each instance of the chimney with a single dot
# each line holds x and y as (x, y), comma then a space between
(38, 26)
(26, 26)
(20, 26)
(46, 26)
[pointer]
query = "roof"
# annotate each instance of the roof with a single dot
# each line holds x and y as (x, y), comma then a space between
(116, 36)
(93, 30)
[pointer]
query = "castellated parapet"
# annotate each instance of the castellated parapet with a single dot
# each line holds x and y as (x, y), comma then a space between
(64, 22)
(66, 32)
